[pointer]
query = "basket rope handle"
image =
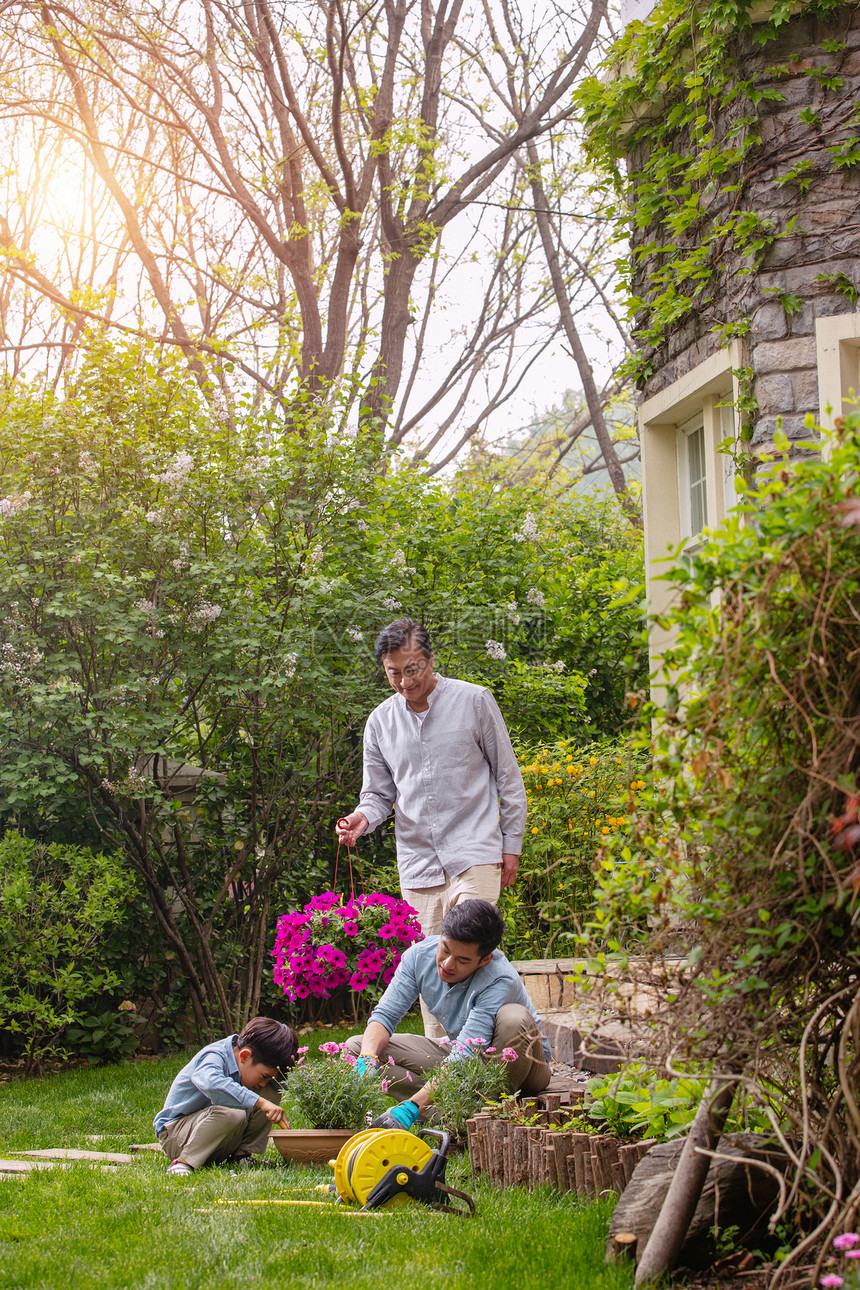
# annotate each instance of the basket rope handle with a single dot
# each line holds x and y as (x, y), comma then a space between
(349, 851)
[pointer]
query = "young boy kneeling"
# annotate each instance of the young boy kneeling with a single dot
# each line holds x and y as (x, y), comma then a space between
(222, 1104)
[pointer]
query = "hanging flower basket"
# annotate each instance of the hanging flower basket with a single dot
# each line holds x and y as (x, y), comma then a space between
(343, 948)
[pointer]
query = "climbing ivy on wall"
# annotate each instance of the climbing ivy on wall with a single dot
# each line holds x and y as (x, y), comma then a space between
(677, 110)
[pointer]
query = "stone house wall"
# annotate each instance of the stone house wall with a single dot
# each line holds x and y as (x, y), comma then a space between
(781, 346)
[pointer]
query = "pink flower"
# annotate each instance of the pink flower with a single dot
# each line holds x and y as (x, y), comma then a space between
(330, 1048)
(302, 1050)
(357, 982)
(490, 1050)
(409, 1077)
(846, 1241)
(831, 1281)
(509, 1055)
(127, 1006)
(383, 1084)
(852, 1254)
(351, 928)
(443, 1040)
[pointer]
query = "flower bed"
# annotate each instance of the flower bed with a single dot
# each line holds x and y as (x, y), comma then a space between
(348, 948)
(537, 1148)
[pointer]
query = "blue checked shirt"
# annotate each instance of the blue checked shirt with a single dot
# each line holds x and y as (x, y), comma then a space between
(452, 778)
(211, 1078)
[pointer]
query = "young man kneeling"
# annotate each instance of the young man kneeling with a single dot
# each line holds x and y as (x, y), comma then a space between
(222, 1105)
(473, 992)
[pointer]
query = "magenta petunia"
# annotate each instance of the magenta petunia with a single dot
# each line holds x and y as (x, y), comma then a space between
(334, 943)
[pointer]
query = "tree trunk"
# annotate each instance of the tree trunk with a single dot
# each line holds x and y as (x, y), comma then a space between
(667, 1237)
(586, 374)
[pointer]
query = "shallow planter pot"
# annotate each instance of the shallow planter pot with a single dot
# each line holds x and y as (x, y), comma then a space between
(310, 1146)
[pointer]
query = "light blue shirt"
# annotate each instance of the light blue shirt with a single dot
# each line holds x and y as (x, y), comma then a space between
(452, 777)
(211, 1078)
(467, 1010)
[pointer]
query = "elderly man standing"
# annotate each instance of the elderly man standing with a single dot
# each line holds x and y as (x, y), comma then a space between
(438, 751)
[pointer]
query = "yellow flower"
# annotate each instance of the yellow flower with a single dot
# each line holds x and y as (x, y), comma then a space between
(558, 781)
(592, 761)
(571, 770)
(604, 830)
(535, 830)
(598, 821)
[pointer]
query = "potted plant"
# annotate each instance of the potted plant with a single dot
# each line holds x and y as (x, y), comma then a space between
(350, 949)
(463, 1086)
(325, 1103)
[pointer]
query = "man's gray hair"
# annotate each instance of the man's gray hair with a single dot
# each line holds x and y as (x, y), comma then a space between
(400, 633)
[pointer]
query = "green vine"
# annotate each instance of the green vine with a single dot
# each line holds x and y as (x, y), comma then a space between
(676, 112)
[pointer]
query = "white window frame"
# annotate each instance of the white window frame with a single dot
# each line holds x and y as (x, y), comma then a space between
(706, 395)
(837, 341)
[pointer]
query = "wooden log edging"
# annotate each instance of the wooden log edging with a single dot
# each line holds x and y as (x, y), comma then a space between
(535, 1155)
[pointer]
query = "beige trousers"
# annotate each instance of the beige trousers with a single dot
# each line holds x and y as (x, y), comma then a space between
(415, 1057)
(481, 882)
(214, 1134)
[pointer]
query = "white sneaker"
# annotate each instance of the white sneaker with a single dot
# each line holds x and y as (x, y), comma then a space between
(179, 1169)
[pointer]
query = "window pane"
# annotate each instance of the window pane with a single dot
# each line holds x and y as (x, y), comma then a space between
(698, 488)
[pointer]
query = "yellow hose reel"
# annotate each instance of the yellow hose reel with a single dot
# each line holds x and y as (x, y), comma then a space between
(392, 1167)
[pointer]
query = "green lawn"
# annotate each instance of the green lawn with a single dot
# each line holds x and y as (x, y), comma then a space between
(137, 1228)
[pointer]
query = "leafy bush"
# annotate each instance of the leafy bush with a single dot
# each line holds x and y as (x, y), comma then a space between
(102, 1037)
(743, 851)
(330, 1094)
(640, 1103)
(56, 905)
(328, 946)
(578, 797)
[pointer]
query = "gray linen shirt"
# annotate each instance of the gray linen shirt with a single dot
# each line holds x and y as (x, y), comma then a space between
(453, 779)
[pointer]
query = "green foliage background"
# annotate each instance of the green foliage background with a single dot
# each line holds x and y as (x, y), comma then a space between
(742, 856)
(177, 591)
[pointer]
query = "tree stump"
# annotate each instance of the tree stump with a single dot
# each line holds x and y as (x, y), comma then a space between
(736, 1194)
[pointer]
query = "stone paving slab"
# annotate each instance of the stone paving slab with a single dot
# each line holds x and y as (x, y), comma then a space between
(146, 1146)
(72, 1153)
(28, 1166)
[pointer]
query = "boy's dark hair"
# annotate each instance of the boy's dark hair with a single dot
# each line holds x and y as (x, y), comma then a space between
(474, 922)
(272, 1043)
(402, 632)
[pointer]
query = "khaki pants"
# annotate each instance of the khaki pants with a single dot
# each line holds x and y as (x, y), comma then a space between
(214, 1134)
(415, 1057)
(481, 882)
